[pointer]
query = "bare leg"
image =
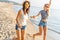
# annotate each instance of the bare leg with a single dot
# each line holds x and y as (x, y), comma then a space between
(22, 34)
(45, 31)
(39, 33)
(18, 35)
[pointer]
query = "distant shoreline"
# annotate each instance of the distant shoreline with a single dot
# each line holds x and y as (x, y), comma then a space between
(11, 2)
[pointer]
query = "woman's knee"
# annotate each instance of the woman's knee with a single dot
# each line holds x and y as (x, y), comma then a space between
(40, 30)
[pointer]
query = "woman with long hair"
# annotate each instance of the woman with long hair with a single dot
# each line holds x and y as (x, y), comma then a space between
(21, 20)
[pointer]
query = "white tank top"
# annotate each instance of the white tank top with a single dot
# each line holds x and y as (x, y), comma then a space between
(23, 19)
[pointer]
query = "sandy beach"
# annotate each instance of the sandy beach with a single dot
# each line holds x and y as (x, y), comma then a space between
(7, 25)
(7, 21)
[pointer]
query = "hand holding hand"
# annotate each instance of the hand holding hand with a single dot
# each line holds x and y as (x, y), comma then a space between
(33, 17)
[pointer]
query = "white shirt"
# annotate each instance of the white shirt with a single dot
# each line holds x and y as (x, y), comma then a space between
(23, 19)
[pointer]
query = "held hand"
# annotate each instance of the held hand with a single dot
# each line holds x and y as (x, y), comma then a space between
(33, 17)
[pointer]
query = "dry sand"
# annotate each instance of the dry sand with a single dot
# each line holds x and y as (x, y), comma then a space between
(7, 21)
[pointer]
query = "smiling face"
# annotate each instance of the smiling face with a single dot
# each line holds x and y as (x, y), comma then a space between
(46, 7)
(26, 5)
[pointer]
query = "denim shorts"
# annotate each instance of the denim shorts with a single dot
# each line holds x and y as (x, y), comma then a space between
(44, 24)
(23, 27)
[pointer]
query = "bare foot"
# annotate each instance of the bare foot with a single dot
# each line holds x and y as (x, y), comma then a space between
(31, 36)
(15, 39)
(34, 37)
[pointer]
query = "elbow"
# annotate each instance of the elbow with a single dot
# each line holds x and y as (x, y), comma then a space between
(16, 20)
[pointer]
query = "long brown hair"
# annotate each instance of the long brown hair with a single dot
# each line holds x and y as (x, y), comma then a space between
(27, 10)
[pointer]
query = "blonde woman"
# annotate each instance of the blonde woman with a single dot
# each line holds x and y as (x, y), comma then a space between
(43, 22)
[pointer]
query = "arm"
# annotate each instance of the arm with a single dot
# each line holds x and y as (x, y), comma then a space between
(49, 7)
(36, 16)
(18, 17)
(49, 3)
